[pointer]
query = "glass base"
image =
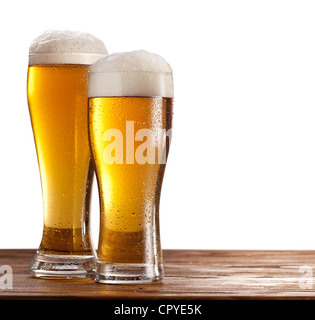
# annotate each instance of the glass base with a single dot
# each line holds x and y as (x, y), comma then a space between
(128, 273)
(62, 266)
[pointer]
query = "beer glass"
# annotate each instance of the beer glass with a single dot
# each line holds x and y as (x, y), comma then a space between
(59, 62)
(130, 119)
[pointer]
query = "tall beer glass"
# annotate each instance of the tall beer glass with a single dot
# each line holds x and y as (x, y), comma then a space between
(130, 119)
(59, 62)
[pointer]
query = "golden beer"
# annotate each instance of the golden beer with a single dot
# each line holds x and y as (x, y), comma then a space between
(57, 98)
(130, 117)
(129, 192)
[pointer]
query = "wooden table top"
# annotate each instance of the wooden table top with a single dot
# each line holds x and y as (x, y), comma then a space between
(189, 274)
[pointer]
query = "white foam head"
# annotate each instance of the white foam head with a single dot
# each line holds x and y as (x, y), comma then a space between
(135, 73)
(66, 47)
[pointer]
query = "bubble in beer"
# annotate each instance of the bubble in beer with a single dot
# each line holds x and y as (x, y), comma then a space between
(139, 60)
(65, 46)
(134, 73)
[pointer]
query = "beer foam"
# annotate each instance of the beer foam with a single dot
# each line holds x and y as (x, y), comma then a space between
(135, 73)
(65, 46)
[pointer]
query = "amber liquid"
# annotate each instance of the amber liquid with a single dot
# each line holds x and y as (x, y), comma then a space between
(57, 98)
(129, 192)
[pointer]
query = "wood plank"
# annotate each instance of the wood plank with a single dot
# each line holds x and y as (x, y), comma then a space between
(190, 274)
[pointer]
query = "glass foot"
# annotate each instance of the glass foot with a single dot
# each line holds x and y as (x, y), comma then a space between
(128, 273)
(62, 266)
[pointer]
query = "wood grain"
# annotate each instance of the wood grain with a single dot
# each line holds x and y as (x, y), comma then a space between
(190, 274)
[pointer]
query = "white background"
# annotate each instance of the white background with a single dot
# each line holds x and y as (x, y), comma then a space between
(241, 170)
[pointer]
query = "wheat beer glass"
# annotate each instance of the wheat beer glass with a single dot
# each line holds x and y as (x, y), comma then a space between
(59, 62)
(130, 119)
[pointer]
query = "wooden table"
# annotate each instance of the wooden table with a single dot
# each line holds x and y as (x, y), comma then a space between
(190, 274)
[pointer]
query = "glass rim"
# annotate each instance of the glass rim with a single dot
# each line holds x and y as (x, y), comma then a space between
(50, 58)
(31, 54)
(132, 71)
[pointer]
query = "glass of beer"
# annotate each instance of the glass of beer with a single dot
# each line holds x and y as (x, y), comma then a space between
(130, 120)
(57, 81)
